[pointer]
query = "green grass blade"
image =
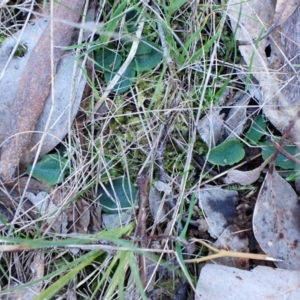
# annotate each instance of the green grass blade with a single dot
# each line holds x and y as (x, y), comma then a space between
(107, 273)
(135, 273)
(175, 5)
(118, 277)
(112, 24)
(56, 286)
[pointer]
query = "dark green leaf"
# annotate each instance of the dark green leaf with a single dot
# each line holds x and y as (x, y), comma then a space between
(146, 62)
(117, 196)
(228, 153)
(131, 18)
(124, 82)
(50, 169)
(145, 47)
(280, 161)
(257, 130)
(107, 60)
(148, 55)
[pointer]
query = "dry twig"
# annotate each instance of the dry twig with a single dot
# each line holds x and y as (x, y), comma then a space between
(142, 182)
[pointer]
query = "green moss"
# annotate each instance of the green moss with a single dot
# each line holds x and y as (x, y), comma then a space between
(20, 51)
(2, 38)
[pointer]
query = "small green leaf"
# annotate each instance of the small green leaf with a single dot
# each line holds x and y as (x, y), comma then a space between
(257, 130)
(50, 169)
(119, 195)
(123, 83)
(280, 161)
(228, 153)
(145, 47)
(130, 19)
(148, 55)
(107, 60)
(146, 62)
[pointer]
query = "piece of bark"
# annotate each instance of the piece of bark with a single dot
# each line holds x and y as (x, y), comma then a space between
(35, 85)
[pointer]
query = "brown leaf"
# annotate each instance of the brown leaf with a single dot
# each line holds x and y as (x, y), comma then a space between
(84, 215)
(211, 127)
(95, 223)
(156, 201)
(284, 9)
(244, 177)
(276, 222)
(37, 266)
(55, 217)
(34, 85)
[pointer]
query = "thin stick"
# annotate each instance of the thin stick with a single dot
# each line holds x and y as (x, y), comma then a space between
(285, 153)
(285, 134)
(225, 253)
(142, 182)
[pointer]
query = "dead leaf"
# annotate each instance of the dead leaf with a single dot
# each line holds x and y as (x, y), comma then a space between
(275, 217)
(71, 293)
(34, 85)
(84, 216)
(237, 116)
(284, 9)
(219, 206)
(156, 203)
(249, 20)
(276, 221)
(244, 177)
(33, 186)
(113, 221)
(48, 211)
(95, 223)
(211, 127)
(265, 60)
